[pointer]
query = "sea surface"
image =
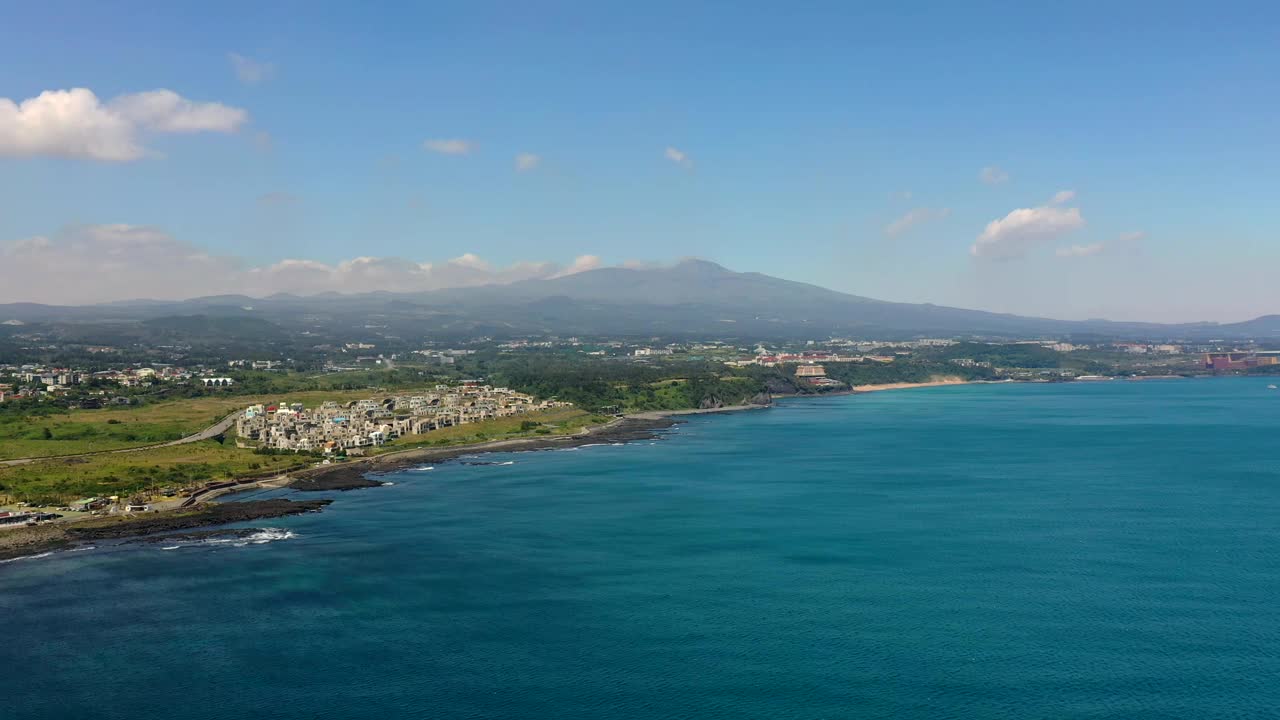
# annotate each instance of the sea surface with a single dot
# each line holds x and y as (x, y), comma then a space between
(1090, 550)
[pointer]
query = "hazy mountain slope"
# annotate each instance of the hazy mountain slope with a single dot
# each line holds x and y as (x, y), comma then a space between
(694, 297)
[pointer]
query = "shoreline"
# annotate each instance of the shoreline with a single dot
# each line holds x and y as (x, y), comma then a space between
(41, 540)
(352, 474)
(357, 474)
(884, 387)
(633, 426)
(857, 389)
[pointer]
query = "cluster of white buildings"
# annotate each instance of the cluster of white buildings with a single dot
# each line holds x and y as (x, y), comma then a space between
(334, 427)
(1145, 349)
(443, 357)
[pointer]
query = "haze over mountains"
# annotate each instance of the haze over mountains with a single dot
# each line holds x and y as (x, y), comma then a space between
(691, 298)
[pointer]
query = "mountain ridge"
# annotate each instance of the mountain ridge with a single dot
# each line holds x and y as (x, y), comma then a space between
(692, 297)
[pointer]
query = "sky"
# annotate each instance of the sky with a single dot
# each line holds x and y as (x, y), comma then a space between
(1075, 161)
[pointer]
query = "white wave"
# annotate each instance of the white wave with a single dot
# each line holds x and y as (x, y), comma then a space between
(424, 468)
(387, 483)
(509, 462)
(28, 557)
(258, 537)
(265, 535)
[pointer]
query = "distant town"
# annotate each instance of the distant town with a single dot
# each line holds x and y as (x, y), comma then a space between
(104, 383)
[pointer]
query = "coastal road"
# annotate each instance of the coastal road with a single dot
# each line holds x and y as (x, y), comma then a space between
(208, 433)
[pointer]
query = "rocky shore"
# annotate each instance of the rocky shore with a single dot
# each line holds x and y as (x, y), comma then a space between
(354, 474)
(164, 525)
(25, 542)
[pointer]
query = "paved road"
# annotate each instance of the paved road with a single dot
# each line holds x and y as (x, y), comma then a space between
(213, 490)
(206, 434)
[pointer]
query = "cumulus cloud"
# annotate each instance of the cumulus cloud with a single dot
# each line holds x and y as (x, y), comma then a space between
(449, 146)
(1062, 197)
(992, 175)
(914, 217)
(471, 261)
(250, 71)
(1075, 251)
(75, 124)
(108, 262)
(101, 263)
(678, 157)
(526, 162)
(167, 111)
(582, 263)
(1012, 235)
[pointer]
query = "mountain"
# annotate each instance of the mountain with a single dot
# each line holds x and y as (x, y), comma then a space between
(691, 298)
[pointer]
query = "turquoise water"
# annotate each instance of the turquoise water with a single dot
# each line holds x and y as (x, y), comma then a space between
(1104, 550)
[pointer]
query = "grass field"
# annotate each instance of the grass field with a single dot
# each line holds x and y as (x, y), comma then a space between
(62, 480)
(84, 431)
(56, 480)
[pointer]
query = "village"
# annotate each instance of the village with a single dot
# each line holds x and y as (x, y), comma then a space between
(347, 429)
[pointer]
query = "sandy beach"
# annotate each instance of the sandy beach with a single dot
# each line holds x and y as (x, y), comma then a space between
(908, 386)
(661, 414)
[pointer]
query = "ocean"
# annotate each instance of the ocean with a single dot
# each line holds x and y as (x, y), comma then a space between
(1085, 550)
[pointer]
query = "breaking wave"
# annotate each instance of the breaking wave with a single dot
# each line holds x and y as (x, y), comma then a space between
(261, 537)
(242, 539)
(37, 556)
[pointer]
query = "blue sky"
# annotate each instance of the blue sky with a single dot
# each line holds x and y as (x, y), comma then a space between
(832, 143)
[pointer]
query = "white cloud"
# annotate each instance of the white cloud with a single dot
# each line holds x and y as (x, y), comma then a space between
(452, 146)
(75, 124)
(250, 71)
(1062, 197)
(582, 263)
(993, 175)
(66, 123)
(167, 111)
(471, 261)
(914, 217)
(678, 157)
(1012, 235)
(526, 162)
(101, 263)
(1134, 236)
(107, 262)
(1075, 251)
